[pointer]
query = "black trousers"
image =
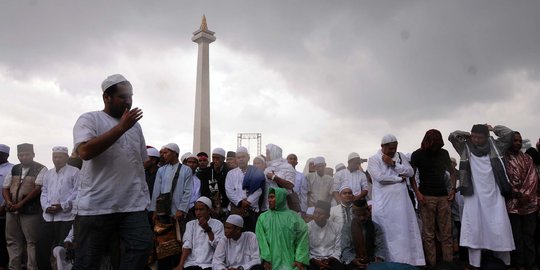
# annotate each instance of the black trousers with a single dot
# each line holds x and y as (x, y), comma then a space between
(4, 257)
(52, 234)
(523, 228)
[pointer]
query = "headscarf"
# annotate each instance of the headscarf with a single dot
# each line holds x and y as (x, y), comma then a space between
(274, 152)
(432, 140)
(306, 168)
(480, 150)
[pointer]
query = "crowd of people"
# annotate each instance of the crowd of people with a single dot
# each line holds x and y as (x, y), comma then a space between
(116, 203)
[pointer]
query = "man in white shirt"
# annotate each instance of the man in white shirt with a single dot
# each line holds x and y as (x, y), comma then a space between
(244, 186)
(353, 176)
(319, 184)
(239, 250)
(22, 188)
(324, 239)
(300, 183)
(113, 193)
(5, 168)
(342, 213)
(201, 238)
(57, 195)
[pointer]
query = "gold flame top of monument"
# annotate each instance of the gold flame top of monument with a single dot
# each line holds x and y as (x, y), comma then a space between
(204, 27)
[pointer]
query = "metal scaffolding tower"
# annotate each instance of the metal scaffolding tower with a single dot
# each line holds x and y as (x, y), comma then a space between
(249, 137)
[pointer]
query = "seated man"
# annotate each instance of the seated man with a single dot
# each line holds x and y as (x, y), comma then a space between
(362, 240)
(201, 238)
(324, 239)
(239, 250)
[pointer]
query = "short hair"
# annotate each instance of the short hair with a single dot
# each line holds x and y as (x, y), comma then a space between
(360, 203)
(202, 154)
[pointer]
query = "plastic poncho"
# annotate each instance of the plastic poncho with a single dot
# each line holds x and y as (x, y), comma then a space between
(282, 235)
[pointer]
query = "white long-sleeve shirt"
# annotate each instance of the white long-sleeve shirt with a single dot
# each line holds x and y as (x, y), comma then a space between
(202, 249)
(235, 192)
(356, 180)
(324, 242)
(59, 187)
(5, 169)
(232, 254)
(196, 191)
(182, 193)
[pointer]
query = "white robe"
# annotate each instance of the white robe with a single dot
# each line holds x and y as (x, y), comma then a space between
(485, 223)
(393, 210)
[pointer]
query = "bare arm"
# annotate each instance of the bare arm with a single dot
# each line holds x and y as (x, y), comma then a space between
(7, 197)
(185, 254)
(283, 183)
(36, 192)
(94, 147)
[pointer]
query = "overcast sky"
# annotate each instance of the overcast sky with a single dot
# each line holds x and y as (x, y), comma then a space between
(315, 77)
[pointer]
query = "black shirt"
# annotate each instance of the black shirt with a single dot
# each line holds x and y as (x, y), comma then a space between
(432, 167)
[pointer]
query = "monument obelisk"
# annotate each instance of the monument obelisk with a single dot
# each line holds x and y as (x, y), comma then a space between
(201, 132)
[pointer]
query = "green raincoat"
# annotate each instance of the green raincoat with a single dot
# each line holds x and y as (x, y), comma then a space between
(282, 235)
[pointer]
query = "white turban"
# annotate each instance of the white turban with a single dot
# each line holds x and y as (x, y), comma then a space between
(242, 149)
(152, 152)
(60, 149)
(4, 148)
(236, 220)
(318, 161)
(172, 146)
(206, 201)
(112, 80)
(219, 151)
(388, 138)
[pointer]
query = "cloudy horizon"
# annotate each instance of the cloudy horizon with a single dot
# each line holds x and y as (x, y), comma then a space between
(318, 78)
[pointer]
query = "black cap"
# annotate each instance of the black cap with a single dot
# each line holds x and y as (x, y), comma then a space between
(25, 147)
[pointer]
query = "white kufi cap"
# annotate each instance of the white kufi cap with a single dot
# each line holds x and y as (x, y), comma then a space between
(173, 147)
(184, 156)
(219, 151)
(112, 80)
(242, 149)
(206, 201)
(353, 155)
(236, 220)
(152, 152)
(319, 160)
(60, 149)
(388, 138)
(340, 166)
